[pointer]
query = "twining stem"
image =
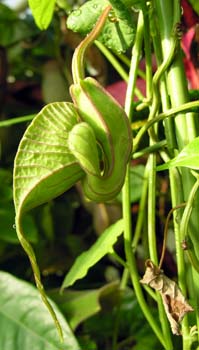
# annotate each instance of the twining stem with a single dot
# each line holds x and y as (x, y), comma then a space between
(165, 234)
(177, 197)
(166, 114)
(188, 209)
(131, 261)
(152, 91)
(136, 51)
(168, 14)
(168, 123)
(141, 212)
(116, 64)
(184, 226)
(30, 253)
(150, 149)
(111, 58)
(185, 125)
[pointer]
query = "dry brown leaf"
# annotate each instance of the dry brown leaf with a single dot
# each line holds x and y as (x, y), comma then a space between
(174, 301)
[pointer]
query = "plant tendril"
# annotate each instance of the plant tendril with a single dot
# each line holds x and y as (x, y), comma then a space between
(181, 205)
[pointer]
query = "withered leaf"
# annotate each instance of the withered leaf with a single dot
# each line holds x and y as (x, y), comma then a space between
(174, 301)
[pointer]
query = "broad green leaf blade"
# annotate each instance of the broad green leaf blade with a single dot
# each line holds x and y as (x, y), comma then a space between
(44, 166)
(78, 306)
(42, 11)
(25, 322)
(119, 30)
(98, 250)
(188, 157)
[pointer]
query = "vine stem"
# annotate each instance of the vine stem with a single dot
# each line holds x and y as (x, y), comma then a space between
(177, 197)
(141, 212)
(187, 212)
(13, 121)
(151, 89)
(118, 67)
(172, 113)
(131, 261)
(31, 255)
(166, 232)
(169, 14)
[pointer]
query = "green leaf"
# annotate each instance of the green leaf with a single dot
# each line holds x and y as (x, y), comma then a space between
(42, 11)
(12, 28)
(119, 30)
(135, 3)
(188, 157)
(25, 322)
(78, 306)
(44, 166)
(98, 250)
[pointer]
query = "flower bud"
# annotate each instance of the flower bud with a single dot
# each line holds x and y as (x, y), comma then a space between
(112, 131)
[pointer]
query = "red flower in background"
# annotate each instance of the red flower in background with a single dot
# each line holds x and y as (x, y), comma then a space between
(190, 46)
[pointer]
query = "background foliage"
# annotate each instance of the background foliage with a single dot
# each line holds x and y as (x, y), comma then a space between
(35, 69)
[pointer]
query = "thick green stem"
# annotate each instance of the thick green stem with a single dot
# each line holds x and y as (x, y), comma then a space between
(168, 14)
(185, 126)
(116, 64)
(172, 113)
(168, 123)
(131, 261)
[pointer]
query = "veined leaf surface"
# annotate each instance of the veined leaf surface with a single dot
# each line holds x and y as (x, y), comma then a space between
(25, 322)
(44, 166)
(119, 30)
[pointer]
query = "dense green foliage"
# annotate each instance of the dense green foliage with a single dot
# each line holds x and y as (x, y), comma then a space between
(67, 149)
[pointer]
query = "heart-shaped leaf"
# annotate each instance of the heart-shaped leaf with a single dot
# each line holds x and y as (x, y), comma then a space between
(98, 250)
(188, 157)
(119, 30)
(25, 322)
(44, 166)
